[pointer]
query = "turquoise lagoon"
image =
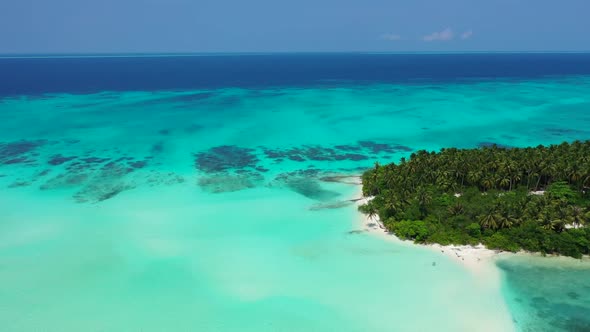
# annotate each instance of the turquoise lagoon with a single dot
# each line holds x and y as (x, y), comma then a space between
(223, 210)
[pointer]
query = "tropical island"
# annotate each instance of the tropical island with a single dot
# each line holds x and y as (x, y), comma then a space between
(535, 199)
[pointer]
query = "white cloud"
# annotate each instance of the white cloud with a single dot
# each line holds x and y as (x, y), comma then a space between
(446, 34)
(467, 34)
(391, 36)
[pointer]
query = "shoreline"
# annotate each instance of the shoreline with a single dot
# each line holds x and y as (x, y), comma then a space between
(479, 260)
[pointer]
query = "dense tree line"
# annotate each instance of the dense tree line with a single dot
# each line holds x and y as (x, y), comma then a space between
(536, 198)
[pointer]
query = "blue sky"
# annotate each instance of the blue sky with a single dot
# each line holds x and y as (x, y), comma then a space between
(123, 26)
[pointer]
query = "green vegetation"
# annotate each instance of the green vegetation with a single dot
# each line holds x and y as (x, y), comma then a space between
(487, 195)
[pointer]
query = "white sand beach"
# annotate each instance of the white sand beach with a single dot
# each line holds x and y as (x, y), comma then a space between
(477, 259)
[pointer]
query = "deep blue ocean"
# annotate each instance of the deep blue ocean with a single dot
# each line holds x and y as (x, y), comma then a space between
(69, 74)
(217, 192)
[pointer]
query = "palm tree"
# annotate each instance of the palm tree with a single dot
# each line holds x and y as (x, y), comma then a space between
(516, 176)
(558, 225)
(503, 222)
(391, 205)
(474, 177)
(424, 199)
(456, 209)
(576, 216)
(487, 183)
(371, 210)
(545, 220)
(505, 182)
(489, 220)
(508, 221)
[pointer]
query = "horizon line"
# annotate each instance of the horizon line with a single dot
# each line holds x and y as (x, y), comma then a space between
(196, 54)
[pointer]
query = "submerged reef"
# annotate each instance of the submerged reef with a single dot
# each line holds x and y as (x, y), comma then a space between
(58, 159)
(362, 150)
(96, 175)
(306, 183)
(224, 158)
(315, 153)
(20, 152)
(230, 168)
(377, 148)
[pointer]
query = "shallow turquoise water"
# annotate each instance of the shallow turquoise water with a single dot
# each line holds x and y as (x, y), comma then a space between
(210, 210)
(548, 294)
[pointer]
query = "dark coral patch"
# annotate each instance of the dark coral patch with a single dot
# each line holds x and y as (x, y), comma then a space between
(58, 159)
(357, 152)
(310, 188)
(305, 182)
(123, 159)
(378, 148)
(224, 158)
(351, 156)
(296, 158)
(273, 154)
(19, 152)
(18, 148)
(78, 167)
(96, 172)
(113, 170)
(315, 153)
(18, 160)
(98, 192)
(107, 182)
(138, 164)
(348, 147)
(402, 148)
(319, 153)
(85, 164)
(331, 205)
(18, 183)
(375, 147)
(64, 181)
(95, 160)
